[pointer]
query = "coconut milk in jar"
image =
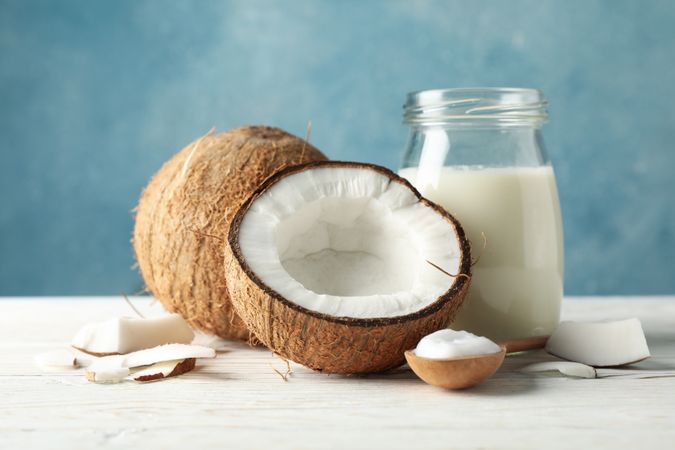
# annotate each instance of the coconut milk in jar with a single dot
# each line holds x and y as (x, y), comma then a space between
(478, 152)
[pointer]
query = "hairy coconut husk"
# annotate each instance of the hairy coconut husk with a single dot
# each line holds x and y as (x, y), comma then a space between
(184, 213)
(335, 344)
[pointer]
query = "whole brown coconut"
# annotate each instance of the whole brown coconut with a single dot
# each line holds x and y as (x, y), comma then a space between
(297, 315)
(184, 213)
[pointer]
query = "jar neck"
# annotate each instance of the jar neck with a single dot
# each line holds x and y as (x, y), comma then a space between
(476, 107)
(475, 146)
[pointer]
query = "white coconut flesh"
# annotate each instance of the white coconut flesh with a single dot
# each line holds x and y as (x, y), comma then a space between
(349, 242)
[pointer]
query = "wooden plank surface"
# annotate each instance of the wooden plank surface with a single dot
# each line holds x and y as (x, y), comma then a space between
(239, 401)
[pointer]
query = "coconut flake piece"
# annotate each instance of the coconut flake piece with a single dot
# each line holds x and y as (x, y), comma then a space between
(569, 368)
(164, 369)
(108, 374)
(167, 352)
(600, 344)
(107, 369)
(60, 359)
(116, 368)
(126, 334)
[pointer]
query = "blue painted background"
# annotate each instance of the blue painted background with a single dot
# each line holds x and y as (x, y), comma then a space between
(95, 95)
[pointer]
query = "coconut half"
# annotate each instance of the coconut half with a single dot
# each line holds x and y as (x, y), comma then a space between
(327, 264)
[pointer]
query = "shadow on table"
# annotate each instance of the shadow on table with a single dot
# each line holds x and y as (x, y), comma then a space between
(210, 374)
(505, 382)
(662, 347)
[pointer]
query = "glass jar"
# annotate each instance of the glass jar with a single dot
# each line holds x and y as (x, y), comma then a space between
(478, 152)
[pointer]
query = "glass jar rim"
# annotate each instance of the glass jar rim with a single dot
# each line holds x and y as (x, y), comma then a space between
(476, 106)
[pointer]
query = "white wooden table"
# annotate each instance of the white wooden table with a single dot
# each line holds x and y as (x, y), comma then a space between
(239, 401)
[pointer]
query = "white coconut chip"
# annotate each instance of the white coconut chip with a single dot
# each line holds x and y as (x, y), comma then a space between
(56, 360)
(115, 368)
(126, 334)
(156, 371)
(166, 353)
(600, 344)
(571, 369)
(111, 374)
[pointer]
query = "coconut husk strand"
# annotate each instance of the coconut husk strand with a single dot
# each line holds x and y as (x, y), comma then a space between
(184, 213)
(335, 344)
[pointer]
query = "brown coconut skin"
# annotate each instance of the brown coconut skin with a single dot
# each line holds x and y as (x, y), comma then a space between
(335, 344)
(185, 211)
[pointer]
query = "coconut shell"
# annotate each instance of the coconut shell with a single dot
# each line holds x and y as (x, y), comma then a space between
(184, 213)
(335, 344)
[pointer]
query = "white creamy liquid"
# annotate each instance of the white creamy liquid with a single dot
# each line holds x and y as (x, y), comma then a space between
(517, 283)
